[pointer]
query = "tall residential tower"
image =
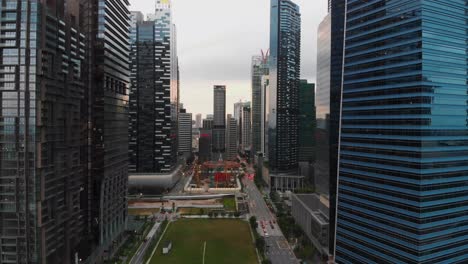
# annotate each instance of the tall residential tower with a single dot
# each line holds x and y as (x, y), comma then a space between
(106, 102)
(43, 209)
(285, 60)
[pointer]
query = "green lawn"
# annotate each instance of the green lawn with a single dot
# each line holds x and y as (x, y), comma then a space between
(229, 203)
(193, 211)
(228, 241)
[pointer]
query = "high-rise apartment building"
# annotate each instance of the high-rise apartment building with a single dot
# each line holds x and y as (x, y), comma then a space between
(43, 209)
(185, 133)
(328, 105)
(154, 94)
(231, 138)
(403, 143)
(258, 71)
(285, 51)
(283, 92)
(219, 120)
(306, 122)
(106, 102)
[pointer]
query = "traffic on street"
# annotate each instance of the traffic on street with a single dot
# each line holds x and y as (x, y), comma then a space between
(277, 247)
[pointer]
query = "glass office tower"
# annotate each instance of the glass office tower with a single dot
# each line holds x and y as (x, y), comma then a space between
(219, 121)
(106, 24)
(306, 121)
(154, 107)
(285, 53)
(328, 104)
(403, 183)
(258, 70)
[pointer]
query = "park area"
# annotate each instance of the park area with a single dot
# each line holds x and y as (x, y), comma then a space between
(209, 241)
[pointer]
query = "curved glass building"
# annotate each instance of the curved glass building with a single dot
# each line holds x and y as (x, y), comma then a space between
(403, 169)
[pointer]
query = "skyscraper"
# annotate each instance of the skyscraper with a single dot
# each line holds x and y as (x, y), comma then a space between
(265, 105)
(306, 122)
(238, 110)
(204, 145)
(246, 142)
(259, 69)
(185, 133)
(42, 217)
(403, 161)
(231, 138)
(198, 121)
(106, 102)
(207, 124)
(154, 94)
(219, 121)
(285, 51)
(328, 105)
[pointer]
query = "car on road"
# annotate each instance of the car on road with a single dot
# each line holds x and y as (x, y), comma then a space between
(266, 234)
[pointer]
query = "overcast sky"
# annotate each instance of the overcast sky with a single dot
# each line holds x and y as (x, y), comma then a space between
(217, 38)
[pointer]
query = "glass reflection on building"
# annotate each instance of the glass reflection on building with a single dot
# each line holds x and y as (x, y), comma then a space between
(404, 136)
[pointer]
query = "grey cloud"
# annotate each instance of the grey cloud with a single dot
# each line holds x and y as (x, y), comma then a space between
(216, 39)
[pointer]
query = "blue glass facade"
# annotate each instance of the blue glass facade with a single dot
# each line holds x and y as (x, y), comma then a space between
(403, 179)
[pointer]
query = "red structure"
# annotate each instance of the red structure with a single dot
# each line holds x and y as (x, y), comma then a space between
(220, 170)
(222, 177)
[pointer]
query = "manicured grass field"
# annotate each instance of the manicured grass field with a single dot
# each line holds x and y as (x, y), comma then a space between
(228, 241)
(229, 203)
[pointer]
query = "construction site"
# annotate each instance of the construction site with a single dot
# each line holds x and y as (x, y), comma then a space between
(214, 176)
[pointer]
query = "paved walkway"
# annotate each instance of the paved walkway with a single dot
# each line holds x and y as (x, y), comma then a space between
(139, 256)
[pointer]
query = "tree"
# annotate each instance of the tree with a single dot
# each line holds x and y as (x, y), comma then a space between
(260, 244)
(253, 222)
(297, 230)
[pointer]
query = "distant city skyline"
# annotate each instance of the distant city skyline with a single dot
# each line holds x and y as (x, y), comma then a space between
(215, 48)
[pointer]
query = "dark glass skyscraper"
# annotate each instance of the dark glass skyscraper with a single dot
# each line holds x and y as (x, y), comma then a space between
(219, 121)
(154, 94)
(328, 105)
(42, 215)
(106, 26)
(306, 121)
(285, 53)
(404, 137)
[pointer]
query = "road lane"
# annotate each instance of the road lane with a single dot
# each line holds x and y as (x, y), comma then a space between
(278, 249)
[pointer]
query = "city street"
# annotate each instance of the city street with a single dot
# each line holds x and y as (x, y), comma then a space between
(278, 249)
